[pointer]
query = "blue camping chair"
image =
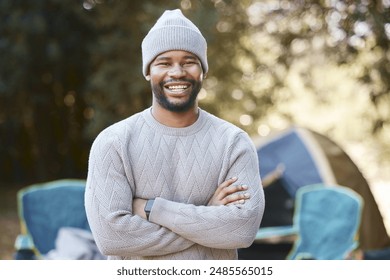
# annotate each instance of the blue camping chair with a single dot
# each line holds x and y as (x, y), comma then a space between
(45, 208)
(326, 223)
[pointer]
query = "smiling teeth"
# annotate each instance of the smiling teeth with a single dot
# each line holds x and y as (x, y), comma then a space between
(177, 87)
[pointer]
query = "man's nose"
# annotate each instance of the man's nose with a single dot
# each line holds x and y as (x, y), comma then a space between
(176, 71)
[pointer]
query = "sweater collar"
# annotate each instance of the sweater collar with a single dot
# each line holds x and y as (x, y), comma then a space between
(174, 131)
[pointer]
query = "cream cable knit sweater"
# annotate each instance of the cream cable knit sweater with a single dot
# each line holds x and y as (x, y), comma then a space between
(181, 168)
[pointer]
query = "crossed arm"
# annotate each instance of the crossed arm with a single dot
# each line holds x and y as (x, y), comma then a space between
(111, 232)
(225, 194)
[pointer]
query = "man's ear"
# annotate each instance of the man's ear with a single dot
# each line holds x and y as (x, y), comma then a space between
(147, 77)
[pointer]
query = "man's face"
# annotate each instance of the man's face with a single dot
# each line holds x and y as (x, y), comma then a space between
(176, 79)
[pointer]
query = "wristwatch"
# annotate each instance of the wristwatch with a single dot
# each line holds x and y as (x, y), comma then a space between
(148, 207)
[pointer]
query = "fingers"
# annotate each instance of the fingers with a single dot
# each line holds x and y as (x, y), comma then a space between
(227, 183)
(227, 193)
(234, 194)
(237, 198)
(220, 192)
(233, 189)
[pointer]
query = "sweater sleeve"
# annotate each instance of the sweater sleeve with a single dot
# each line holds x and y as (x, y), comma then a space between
(226, 227)
(108, 203)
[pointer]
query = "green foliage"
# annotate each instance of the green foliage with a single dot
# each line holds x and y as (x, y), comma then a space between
(346, 32)
(295, 39)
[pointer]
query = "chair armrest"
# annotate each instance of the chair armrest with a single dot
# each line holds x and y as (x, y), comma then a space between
(276, 234)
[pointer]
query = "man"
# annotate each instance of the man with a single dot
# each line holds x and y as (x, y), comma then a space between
(173, 181)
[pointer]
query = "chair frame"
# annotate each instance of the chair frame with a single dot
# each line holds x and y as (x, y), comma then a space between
(292, 232)
(25, 246)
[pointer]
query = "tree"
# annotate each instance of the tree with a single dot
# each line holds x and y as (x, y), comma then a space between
(44, 61)
(351, 37)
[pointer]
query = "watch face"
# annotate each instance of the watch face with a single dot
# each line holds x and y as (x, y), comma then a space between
(148, 207)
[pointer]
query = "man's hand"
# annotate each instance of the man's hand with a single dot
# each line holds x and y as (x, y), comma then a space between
(139, 206)
(227, 193)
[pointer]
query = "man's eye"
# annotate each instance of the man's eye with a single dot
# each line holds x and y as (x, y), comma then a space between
(190, 63)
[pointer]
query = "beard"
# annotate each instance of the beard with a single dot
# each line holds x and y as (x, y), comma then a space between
(158, 91)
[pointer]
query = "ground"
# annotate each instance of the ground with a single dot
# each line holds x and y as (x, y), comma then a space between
(9, 230)
(9, 223)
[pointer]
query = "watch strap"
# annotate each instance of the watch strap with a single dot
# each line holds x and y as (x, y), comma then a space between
(148, 207)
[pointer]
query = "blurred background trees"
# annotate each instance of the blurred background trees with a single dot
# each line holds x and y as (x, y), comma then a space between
(45, 63)
(68, 69)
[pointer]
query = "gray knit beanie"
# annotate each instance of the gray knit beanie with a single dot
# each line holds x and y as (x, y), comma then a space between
(173, 31)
